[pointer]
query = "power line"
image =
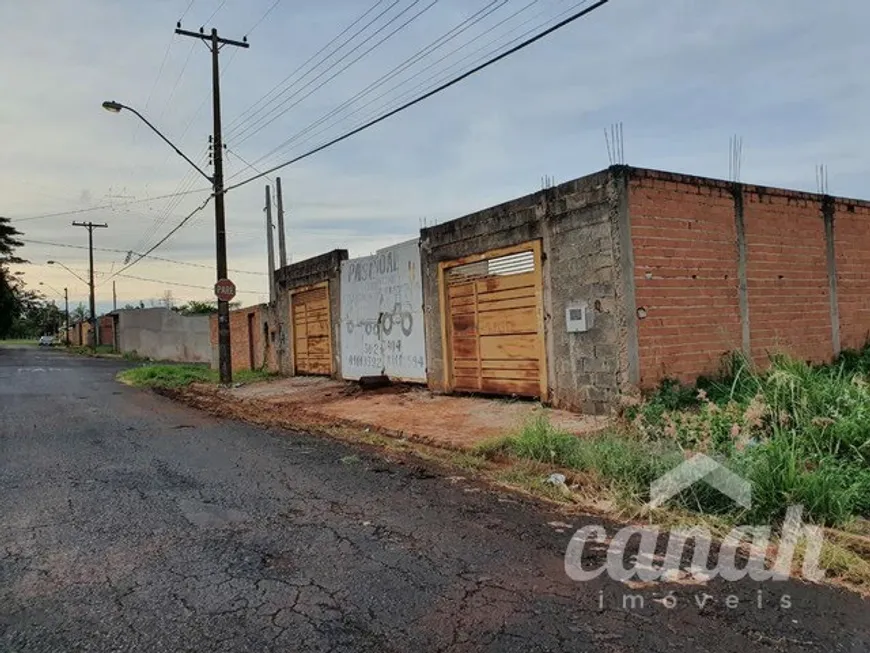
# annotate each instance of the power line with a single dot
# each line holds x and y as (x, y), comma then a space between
(524, 44)
(215, 12)
(184, 285)
(109, 206)
(253, 109)
(263, 17)
(266, 120)
(426, 95)
(165, 238)
(124, 251)
(248, 165)
(187, 9)
(444, 39)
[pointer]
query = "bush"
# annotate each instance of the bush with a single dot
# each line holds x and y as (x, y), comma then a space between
(800, 433)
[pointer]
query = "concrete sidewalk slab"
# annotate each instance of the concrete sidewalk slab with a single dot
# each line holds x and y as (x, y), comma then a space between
(456, 422)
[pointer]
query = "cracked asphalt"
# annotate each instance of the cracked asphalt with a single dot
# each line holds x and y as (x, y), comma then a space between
(131, 523)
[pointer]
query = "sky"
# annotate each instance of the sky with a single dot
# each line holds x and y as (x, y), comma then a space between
(682, 76)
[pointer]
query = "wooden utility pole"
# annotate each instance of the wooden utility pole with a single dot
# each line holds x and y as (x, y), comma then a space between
(90, 226)
(282, 245)
(66, 316)
(215, 43)
(270, 244)
(114, 297)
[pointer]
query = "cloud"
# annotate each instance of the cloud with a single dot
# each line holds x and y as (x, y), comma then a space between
(682, 76)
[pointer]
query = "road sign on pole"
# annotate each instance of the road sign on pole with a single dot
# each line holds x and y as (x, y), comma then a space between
(225, 290)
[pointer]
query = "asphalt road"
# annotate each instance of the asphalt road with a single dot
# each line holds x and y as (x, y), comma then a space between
(130, 523)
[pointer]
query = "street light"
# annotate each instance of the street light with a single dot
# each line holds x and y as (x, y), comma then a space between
(217, 184)
(115, 107)
(84, 281)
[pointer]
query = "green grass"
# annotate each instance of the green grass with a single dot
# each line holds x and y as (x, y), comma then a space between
(799, 433)
(178, 376)
(99, 350)
(19, 341)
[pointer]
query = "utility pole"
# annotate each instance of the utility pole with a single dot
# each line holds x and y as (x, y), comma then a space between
(90, 226)
(114, 297)
(270, 244)
(282, 246)
(215, 43)
(66, 316)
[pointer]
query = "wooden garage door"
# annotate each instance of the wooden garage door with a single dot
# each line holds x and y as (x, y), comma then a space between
(312, 351)
(495, 323)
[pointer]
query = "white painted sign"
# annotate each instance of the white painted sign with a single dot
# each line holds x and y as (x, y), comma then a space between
(382, 315)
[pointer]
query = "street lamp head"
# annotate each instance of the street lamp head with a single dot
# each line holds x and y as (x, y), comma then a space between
(112, 106)
(52, 262)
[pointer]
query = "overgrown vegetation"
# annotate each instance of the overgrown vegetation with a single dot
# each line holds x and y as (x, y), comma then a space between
(799, 433)
(178, 376)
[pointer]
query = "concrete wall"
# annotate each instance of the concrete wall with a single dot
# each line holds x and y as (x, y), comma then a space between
(162, 334)
(577, 224)
(326, 267)
(682, 270)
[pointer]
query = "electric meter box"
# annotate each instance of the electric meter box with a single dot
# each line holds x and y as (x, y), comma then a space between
(578, 317)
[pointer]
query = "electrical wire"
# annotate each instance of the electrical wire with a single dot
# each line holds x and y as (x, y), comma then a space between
(263, 17)
(144, 200)
(124, 251)
(266, 120)
(184, 285)
(524, 44)
(254, 109)
(214, 13)
(432, 47)
(165, 238)
(440, 75)
(393, 73)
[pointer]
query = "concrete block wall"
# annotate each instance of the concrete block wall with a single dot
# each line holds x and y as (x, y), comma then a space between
(325, 267)
(573, 221)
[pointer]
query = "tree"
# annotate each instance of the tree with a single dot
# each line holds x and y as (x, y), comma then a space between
(194, 307)
(11, 285)
(79, 313)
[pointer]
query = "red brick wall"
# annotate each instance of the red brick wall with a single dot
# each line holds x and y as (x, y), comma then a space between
(239, 338)
(787, 276)
(107, 330)
(685, 272)
(852, 254)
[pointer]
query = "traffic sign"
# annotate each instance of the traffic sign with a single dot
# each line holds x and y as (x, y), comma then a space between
(225, 290)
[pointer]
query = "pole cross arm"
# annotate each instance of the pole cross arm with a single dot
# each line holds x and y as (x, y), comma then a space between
(116, 107)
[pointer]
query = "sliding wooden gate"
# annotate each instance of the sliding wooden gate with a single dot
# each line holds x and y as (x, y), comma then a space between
(493, 322)
(312, 344)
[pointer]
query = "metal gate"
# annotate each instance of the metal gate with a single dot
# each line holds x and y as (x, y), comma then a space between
(494, 326)
(312, 344)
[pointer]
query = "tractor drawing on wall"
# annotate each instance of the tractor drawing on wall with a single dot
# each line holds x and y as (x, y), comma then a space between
(400, 316)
